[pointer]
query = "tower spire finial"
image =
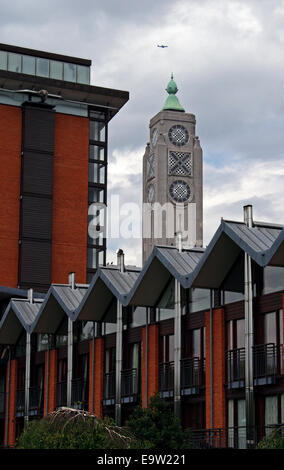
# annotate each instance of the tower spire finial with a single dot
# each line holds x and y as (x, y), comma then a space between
(172, 103)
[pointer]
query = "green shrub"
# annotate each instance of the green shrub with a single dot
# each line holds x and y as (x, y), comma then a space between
(157, 427)
(275, 440)
(74, 430)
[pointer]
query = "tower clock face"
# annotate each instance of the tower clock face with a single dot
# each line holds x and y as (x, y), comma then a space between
(180, 191)
(178, 135)
(155, 137)
(151, 193)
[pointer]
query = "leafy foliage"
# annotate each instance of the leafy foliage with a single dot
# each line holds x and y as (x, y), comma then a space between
(275, 440)
(157, 426)
(67, 428)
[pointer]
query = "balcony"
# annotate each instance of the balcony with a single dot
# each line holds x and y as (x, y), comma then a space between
(61, 394)
(20, 402)
(80, 394)
(235, 368)
(129, 386)
(2, 404)
(192, 375)
(166, 379)
(232, 437)
(36, 400)
(267, 365)
(109, 388)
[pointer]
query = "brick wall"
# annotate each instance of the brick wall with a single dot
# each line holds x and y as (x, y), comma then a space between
(10, 171)
(52, 380)
(99, 374)
(70, 198)
(219, 370)
(153, 361)
(12, 403)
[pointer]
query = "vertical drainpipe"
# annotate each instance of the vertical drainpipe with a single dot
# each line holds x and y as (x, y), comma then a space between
(211, 363)
(146, 358)
(119, 327)
(8, 399)
(177, 340)
(71, 279)
(47, 375)
(249, 339)
(93, 368)
(28, 367)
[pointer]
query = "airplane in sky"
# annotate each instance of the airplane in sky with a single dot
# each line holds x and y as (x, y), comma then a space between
(162, 45)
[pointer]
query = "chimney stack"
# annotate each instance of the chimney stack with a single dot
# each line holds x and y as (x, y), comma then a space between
(120, 260)
(248, 215)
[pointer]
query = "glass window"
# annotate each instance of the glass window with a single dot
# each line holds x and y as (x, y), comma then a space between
(14, 62)
(91, 257)
(69, 72)
(97, 114)
(102, 174)
(271, 412)
(28, 65)
(273, 279)
(97, 131)
(97, 152)
(101, 258)
(93, 173)
(195, 342)
(42, 67)
(42, 342)
(61, 337)
(199, 299)
(240, 330)
(242, 424)
(166, 305)
(96, 195)
(83, 74)
(167, 348)
(87, 328)
(230, 297)
(270, 332)
(138, 316)
(3, 60)
(56, 69)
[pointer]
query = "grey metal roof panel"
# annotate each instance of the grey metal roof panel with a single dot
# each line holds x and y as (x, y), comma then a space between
(180, 263)
(259, 242)
(19, 314)
(108, 282)
(162, 259)
(70, 298)
(259, 238)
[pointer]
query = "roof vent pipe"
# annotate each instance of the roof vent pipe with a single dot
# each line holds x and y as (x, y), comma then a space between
(248, 215)
(71, 280)
(179, 241)
(31, 296)
(120, 260)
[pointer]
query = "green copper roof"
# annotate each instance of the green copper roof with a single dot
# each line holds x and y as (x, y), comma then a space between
(172, 103)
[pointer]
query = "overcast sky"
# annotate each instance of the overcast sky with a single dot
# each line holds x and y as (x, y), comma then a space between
(227, 60)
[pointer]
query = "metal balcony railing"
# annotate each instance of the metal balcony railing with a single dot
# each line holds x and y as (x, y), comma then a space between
(80, 394)
(2, 403)
(235, 367)
(166, 378)
(267, 363)
(129, 385)
(192, 375)
(61, 394)
(36, 398)
(20, 400)
(232, 437)
(109, 388)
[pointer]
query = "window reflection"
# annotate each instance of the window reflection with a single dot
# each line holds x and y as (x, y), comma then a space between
(273, 279)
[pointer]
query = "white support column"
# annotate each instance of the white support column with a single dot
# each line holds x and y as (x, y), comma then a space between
(119, 331)
(249, 339)
(69, 362)
(177, 350)
(118, 365)
(27, 377)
